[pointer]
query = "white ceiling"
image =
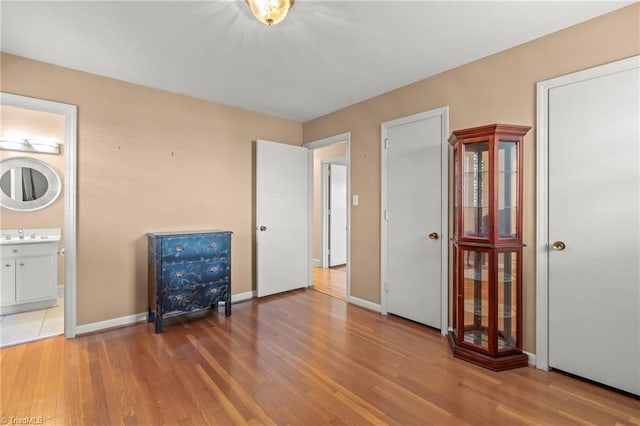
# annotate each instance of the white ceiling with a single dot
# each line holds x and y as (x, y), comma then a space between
(325, 55)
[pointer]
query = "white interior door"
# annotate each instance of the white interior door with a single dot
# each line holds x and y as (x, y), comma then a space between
(413, 212)
(282, 217)
(594, 210)
(337, 214)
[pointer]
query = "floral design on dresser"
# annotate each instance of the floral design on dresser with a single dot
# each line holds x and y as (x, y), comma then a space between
(187, 272)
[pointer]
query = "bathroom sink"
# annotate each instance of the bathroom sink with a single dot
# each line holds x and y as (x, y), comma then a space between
(29, 236)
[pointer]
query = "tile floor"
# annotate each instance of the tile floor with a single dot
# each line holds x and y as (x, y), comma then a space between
(33, 325)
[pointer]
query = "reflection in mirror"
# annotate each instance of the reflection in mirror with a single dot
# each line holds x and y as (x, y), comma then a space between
(27, 184)
(23, 184)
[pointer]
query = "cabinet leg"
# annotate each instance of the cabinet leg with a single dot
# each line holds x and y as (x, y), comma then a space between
(152, 316)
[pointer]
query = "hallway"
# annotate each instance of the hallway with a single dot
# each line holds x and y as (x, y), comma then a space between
(331, 281)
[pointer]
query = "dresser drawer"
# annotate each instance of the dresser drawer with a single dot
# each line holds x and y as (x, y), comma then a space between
(193, 297)
(195, 247)
(183, 274)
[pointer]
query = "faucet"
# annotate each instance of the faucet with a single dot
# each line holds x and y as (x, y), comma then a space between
(21, 234)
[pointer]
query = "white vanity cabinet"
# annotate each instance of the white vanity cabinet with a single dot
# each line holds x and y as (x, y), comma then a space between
(29, 276)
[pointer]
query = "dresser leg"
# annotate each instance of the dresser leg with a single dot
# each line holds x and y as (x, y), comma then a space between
(227, 306)
(158, 319)
(159, 324)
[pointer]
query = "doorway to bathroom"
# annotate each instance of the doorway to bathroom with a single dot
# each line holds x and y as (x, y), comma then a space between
(37, 302)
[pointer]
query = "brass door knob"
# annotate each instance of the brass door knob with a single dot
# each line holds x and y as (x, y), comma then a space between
(558, 246)
(433, 236)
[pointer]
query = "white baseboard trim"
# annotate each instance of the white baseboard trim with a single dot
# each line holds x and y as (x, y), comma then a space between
(60, 290)
(317, 263)
(364, 304)
(532, 358)
(135, 318)
(110, 323)
(241, 297)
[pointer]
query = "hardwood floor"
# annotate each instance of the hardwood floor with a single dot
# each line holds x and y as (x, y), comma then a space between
(300, 358)
(332, 281)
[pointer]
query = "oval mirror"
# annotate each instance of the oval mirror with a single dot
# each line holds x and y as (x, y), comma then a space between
(27, 184)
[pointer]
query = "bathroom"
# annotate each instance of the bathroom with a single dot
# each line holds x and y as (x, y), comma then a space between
(31, 226)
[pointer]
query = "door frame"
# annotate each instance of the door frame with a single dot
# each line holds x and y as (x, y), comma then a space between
(443, 113)
(70, 113)
(321, 143)
(542, 194)
(325, 188)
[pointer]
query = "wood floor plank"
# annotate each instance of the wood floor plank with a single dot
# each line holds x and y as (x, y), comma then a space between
(301, 358)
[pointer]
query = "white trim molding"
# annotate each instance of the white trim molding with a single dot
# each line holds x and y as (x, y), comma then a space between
(364, 304)
(542, 194)
(443, 113)
(142, 316)
(241, 297)
(532, 358)
(111, 323)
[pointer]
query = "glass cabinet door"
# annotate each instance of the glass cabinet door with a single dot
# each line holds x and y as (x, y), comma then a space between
(475, 190)
(507, 299)
(457, 193)
(475, 294)
(507, 189)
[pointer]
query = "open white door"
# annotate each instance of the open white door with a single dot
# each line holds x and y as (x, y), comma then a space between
(337, 214)
(282, 217)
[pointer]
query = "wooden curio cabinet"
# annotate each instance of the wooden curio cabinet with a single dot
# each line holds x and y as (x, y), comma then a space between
(487, 244)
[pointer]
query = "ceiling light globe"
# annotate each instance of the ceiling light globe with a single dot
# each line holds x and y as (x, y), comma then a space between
(270, 12)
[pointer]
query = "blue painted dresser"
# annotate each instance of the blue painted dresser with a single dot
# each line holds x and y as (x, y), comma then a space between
(188, 271)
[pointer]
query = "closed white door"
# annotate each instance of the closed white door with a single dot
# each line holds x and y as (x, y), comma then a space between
(413, 212)
(594, 229)
(337, 214)
(282, 217)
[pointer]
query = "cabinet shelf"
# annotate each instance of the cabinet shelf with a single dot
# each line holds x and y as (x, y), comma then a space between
(486, 207)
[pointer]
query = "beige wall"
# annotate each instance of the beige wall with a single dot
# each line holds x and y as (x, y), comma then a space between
(497, 89)
(42, 124)
(149, 160)
(320, 154)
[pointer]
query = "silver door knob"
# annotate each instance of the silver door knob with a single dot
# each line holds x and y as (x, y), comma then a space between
(263, 228)
(558, 246)
(433, 236)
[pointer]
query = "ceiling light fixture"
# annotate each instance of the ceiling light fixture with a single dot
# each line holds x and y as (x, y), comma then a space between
(270, 12)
